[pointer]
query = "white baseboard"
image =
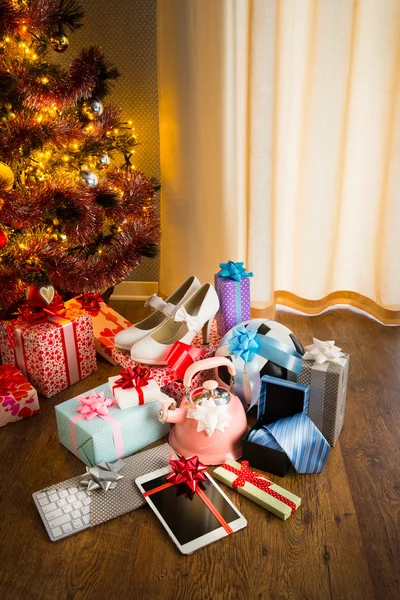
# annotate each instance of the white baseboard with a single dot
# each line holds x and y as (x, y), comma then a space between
(134, 290)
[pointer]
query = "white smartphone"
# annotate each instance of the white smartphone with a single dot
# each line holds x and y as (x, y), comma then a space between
(188, 521)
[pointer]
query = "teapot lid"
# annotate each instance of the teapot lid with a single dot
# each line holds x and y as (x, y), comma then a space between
(211, 390)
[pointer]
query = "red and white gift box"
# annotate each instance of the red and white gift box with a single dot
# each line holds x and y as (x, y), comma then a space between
(52, 355)
(134, 387)
(18, 399)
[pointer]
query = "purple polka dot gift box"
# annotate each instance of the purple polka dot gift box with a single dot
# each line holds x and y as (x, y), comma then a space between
(232, 284)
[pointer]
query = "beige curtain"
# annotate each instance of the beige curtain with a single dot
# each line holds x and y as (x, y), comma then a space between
(280, 146)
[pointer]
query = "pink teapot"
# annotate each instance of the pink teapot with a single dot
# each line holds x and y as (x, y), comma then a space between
(212, 423)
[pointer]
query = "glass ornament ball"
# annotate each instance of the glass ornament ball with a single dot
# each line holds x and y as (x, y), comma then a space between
(7, 176)
(59, 42)
(89, 178)
(3, 238)
(103, 161)
(93, 109)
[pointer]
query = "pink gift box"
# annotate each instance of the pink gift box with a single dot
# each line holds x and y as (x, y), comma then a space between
(19, 400)
(52, 355)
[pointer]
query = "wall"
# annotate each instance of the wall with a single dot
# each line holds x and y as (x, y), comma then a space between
(126, 31)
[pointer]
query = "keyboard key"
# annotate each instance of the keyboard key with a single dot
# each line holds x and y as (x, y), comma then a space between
(86, 519)
(41, 495)
(49, 507)
(78, 505)
(81, 495)
(85, 510)
(53, 514)
(43, 501)
(62, 502)
(76, 514)
(53, 497)
(87, 501)
(67, 509)
(67, 527)
(56, 532)
(77, 523)
(60, 521)
(71, 499)
(63, 494)
(73, 490)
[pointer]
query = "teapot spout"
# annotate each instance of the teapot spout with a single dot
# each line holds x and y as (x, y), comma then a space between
(169, 413)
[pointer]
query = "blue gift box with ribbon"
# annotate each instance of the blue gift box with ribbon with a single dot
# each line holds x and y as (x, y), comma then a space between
(284, 435)
(95, 429)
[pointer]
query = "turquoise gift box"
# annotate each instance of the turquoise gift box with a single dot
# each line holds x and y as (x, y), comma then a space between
(94, 440)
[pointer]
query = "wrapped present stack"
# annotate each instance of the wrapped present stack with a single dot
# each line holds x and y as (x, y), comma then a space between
(53, 346)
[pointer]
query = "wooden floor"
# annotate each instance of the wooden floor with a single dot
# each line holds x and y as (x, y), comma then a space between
(342, 544)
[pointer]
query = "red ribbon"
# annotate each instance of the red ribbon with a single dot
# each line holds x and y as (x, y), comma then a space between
(10, 377)
(181, 356)
(190, 471)
(137, 377)
(33, 313)
(90, 301)
(260, 481)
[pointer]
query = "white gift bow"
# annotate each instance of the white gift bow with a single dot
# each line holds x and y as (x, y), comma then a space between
(182, 316)
(323, 352)
(210, 417)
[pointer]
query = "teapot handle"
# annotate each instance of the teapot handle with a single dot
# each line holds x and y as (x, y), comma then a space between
(207, 363)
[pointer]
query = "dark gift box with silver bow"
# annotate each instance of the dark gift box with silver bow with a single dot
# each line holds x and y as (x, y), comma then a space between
(325, 369)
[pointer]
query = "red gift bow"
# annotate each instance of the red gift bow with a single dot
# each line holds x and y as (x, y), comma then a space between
(34, 312)
(137, 377)
(260, 481)
(10, 377)
(181, 356)
(90, 301)
(190, 471)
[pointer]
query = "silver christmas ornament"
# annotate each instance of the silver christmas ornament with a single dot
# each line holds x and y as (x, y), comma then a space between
(104, 161)
(93, 109)
(89, 178)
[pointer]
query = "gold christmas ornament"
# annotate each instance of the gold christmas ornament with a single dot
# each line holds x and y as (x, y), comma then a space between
(59, 42)
(93, 109)
(7, 175)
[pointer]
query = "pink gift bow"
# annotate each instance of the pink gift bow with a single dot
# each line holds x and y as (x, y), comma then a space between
(94, 405)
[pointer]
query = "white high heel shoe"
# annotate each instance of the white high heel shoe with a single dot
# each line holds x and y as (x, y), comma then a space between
(196, 313)
(163, 309)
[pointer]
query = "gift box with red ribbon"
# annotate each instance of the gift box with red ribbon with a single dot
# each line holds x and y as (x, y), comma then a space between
(134, 387)
(18, 399)
(52, 346)
(258, 488)
(107, 323)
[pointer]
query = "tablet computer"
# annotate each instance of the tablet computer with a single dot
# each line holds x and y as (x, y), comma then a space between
(188, 521)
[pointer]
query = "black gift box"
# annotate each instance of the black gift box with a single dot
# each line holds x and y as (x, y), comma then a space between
(278, 399)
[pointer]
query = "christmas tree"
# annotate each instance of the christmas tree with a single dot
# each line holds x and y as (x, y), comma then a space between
(67, 218)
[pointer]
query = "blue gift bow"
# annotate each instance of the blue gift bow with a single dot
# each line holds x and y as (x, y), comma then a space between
(233, 270)
(244, 345)
(299, 438)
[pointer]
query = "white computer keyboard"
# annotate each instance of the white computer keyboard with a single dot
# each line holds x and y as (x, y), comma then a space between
(64, 511)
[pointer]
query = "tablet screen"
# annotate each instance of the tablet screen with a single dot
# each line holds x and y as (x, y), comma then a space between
(187, 516)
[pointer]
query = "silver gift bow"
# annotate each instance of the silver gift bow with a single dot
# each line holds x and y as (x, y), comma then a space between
(104, 475)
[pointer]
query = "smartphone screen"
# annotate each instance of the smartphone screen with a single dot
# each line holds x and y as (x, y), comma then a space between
(185, 513)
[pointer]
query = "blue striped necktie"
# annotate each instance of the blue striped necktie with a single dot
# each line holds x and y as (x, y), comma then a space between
(299, 438)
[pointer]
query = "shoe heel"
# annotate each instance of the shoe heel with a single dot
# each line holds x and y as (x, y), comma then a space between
(206, 331)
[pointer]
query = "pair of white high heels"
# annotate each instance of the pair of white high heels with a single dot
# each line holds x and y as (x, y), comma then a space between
(180, 317)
